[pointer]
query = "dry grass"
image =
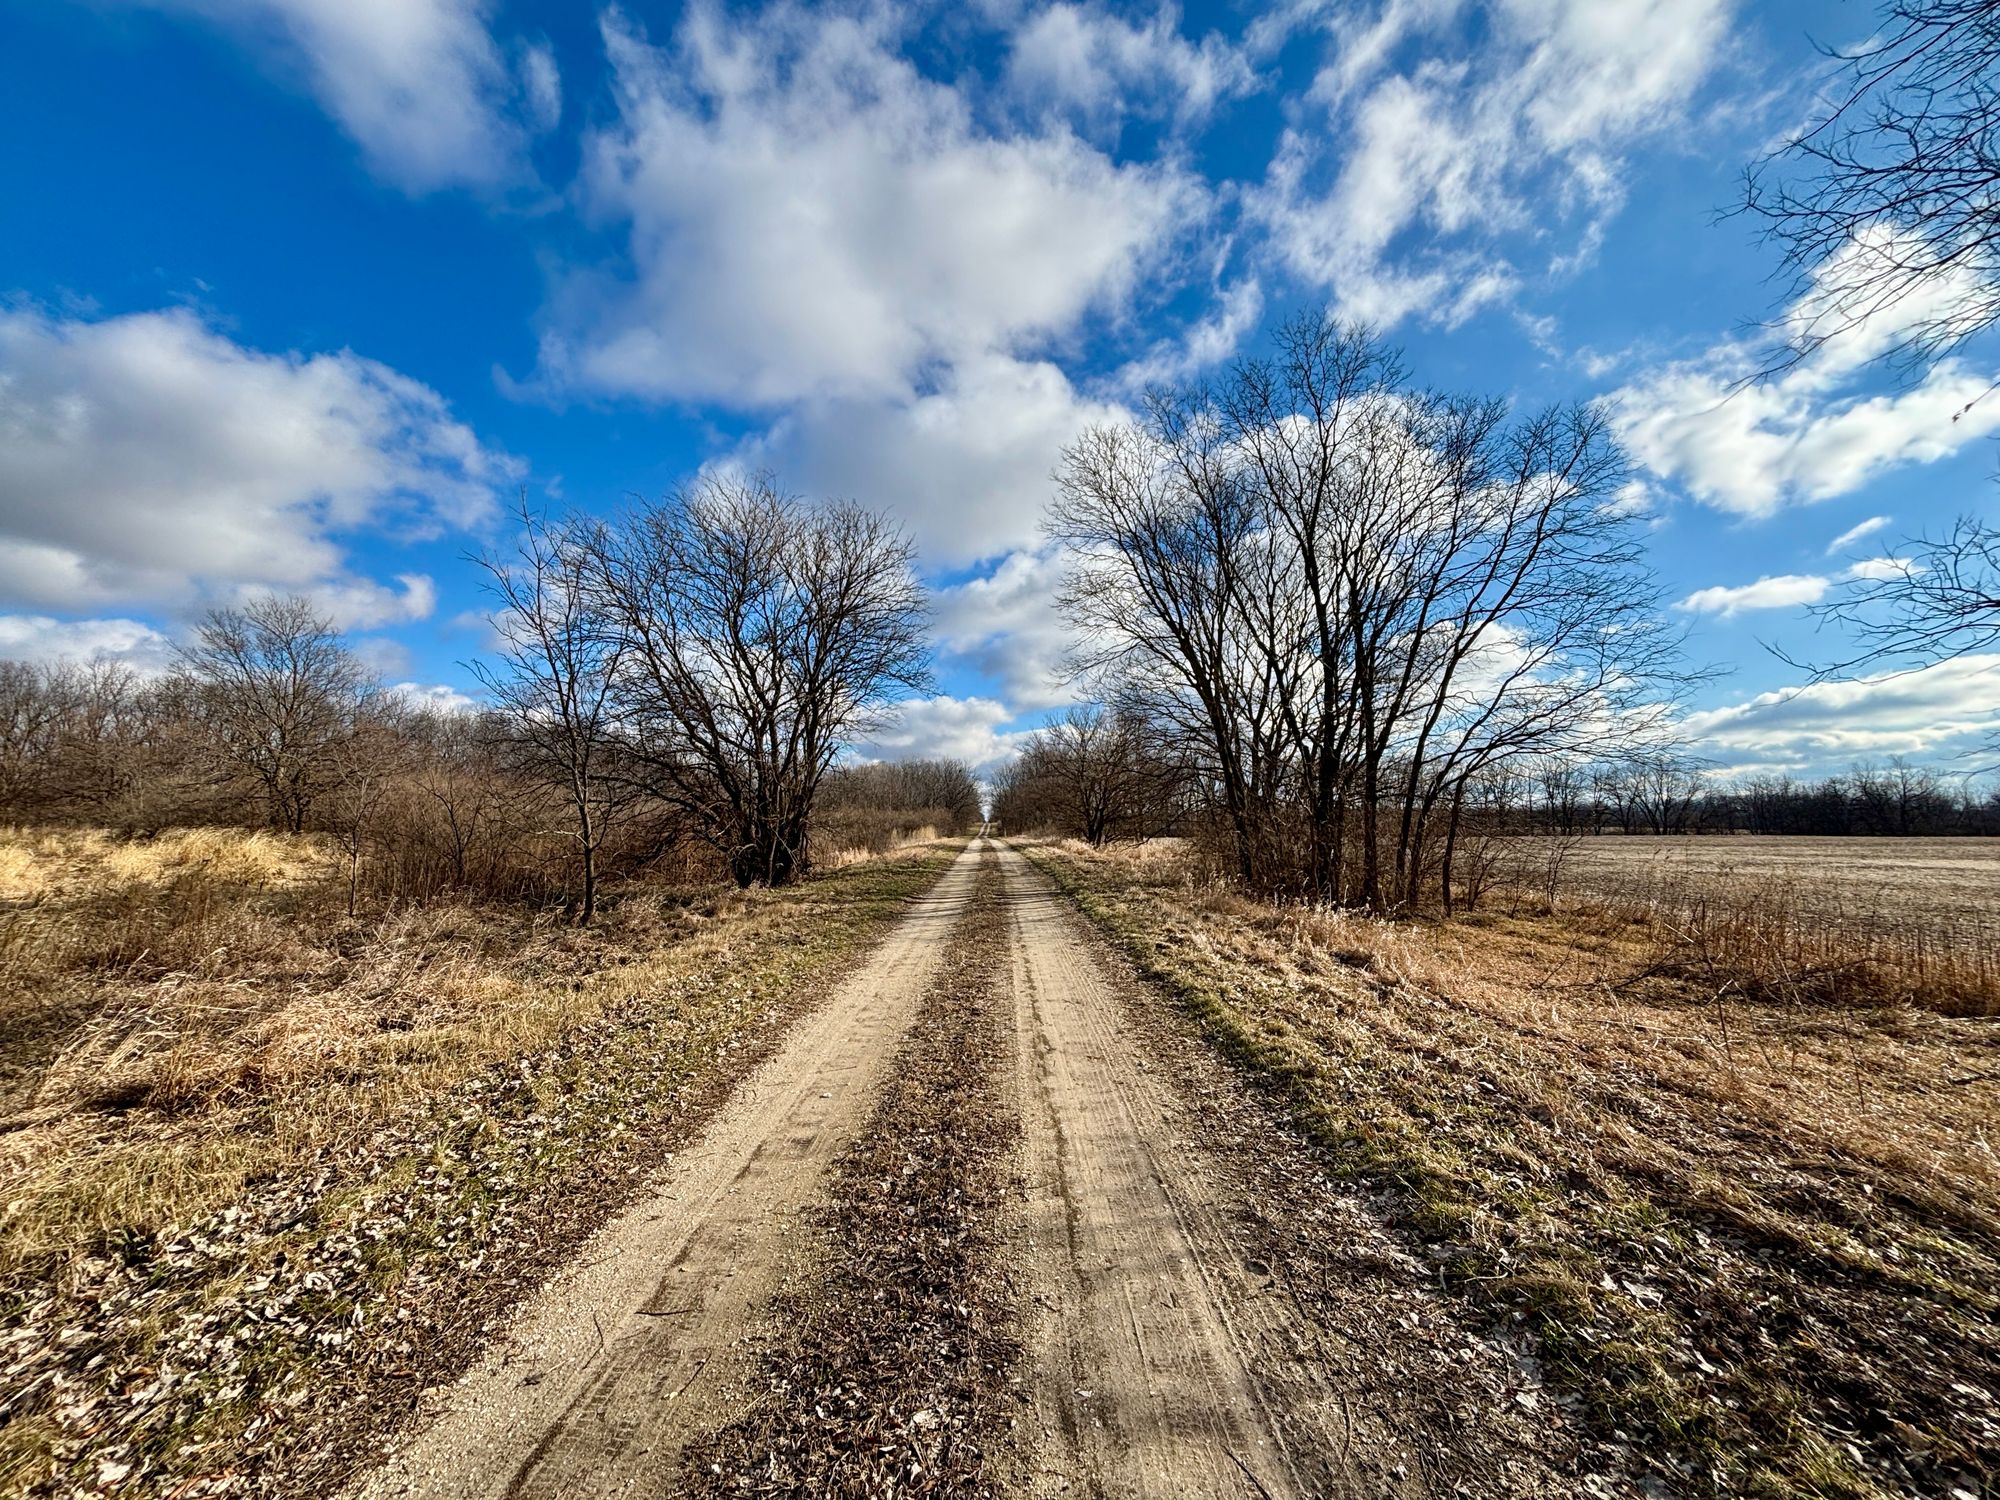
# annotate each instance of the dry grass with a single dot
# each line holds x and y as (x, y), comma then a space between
(1759, 1238)
(892, 843)
(232, 1087)
(1851, 920)
(154, 996)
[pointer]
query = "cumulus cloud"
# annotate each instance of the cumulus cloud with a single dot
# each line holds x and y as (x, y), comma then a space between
(1809, 431)
(45, 640)
(1095, 67)
(422, 86)
(967, 729)
(437, 697)
(1926, 714)
(966, 466)
(364, 604)
(1005, 624)
(1766, 593)
(148, 460)
(809, 217)
(1424, 140)
(1754, 449)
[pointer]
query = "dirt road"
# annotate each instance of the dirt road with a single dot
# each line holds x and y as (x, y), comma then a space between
(1166, 1348)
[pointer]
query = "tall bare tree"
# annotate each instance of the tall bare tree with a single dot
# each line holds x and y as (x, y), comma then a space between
(759, 634)
(1354, 598)
(554, 681)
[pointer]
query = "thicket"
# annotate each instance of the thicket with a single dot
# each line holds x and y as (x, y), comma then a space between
(674, 692)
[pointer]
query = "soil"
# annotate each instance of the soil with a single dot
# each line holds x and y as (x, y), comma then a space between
(1164, 1295)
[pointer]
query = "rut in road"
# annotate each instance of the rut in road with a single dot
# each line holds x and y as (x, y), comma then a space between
(640, 1347)
(1157, 1366)
(1159, 1355)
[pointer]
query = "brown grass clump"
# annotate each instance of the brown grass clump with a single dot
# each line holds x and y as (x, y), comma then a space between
(1757, 1236)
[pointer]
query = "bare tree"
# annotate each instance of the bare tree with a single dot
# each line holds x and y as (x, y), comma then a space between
(554, 681)
(1092, 773)
(903, 793)
(1936, 599)
(758, 635)
(1887, 206)
(1354, 598)
(458, 775)
(275, 691)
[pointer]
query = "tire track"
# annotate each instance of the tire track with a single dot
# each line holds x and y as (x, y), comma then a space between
(620, 1361)
(1159, 1362)
(886, 1373)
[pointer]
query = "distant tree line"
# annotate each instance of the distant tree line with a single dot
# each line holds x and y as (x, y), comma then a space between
(673, 689)
(1068, 781)
(1664, 794)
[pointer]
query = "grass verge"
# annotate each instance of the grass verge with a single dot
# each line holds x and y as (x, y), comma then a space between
(1759, 1246)
(227, 1290)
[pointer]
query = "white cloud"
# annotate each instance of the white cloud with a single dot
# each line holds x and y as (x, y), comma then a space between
(810, 217)
(1855, 533)
(1766, 593)
(437, 697)
(967, 729)
(1082, 61)
(1882, 567)
(1394, 183)
(1925, 714)
(1210, 341)
(421, 85)
(46, 640)
(149, 460)
(364, 604)
(1005, 624)
(1806, 430)
(1754, 449)
(966, 467)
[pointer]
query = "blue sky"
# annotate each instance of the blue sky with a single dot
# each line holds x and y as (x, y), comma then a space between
(296, 294)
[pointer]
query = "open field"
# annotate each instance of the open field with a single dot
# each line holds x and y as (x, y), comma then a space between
(1862, 920)
(1942, 882)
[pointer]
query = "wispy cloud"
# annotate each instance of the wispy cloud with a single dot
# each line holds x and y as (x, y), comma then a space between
(1782, 592)
(1855, 533)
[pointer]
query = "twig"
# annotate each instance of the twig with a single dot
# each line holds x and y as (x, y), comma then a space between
(1250, 1474)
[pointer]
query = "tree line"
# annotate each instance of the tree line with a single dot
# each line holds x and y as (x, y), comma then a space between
(1095, 777)
(674, 686)
(1662, 794)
